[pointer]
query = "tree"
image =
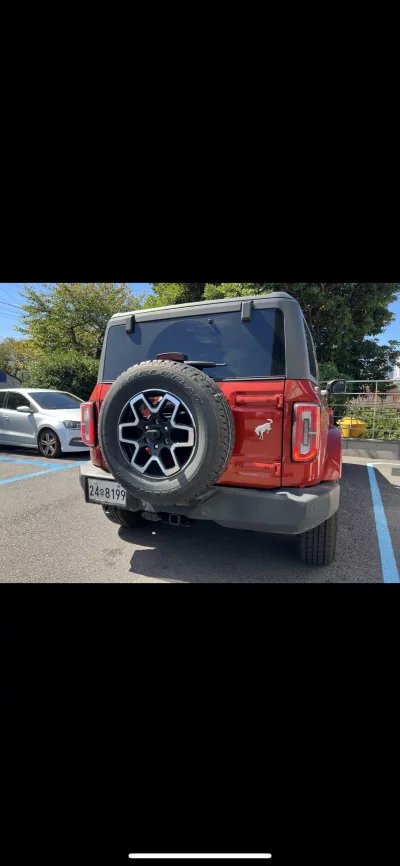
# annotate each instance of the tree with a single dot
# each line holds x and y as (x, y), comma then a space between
(74, 315)
(341, 316)
(366, 359)
(17, 356)
(235, 290)
(65, 371)
(175, 293)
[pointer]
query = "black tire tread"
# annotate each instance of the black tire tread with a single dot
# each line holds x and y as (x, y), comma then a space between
(318, 545)
(122, 517)
(172, 370)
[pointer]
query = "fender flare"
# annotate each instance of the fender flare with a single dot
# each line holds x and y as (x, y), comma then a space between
(333, 461)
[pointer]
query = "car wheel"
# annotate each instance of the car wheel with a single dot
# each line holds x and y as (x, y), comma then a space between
(318, 545)
(167, 432)
(123, 517)
(49, 444)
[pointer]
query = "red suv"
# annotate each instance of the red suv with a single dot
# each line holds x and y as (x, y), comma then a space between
(213, 411)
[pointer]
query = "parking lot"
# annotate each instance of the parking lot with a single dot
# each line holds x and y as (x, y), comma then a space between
(49, 534)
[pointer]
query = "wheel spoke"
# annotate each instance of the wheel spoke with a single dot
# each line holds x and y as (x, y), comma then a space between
(48, 444)
(123, 435)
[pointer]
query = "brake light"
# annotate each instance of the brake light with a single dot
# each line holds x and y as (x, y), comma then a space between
(306, 431)
(172, 356)
(88, 425)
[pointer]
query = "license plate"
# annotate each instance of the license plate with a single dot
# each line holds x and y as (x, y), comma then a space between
(106, 492)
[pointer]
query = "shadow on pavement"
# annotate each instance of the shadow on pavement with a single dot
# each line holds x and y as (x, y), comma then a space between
(207, 553)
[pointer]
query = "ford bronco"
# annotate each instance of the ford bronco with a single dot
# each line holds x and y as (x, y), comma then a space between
(214, 411)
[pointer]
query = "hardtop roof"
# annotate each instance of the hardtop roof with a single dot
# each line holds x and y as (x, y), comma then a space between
(239, 298)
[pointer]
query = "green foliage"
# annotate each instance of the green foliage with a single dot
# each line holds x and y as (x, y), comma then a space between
(74, 315)
(16, 356)
(366, 359)
(175, 293)
(235, 290)
(328, 371)
(65, 371)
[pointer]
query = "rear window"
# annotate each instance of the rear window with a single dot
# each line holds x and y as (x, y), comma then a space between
(250, 350)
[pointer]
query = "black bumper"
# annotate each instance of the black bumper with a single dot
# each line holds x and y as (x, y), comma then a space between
(288, 510)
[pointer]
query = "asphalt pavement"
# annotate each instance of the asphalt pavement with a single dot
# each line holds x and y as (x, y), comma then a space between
(49, 534)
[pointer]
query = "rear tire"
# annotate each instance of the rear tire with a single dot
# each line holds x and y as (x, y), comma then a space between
(318, 545)
(122, 517)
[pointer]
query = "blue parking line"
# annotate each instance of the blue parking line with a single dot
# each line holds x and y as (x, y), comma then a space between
(389, 566)
(30, 462)
(43, 472)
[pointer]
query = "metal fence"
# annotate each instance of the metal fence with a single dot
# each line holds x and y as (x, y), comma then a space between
(376, 402)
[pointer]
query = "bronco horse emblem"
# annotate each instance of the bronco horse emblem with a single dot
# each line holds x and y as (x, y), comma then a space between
(264, 428)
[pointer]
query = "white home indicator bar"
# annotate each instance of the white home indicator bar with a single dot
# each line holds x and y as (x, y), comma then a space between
(200, 856)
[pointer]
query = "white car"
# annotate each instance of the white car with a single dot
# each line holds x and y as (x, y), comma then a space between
(41, 418)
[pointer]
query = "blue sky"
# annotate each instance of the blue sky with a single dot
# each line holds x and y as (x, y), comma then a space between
(10, 298)
(10, 295)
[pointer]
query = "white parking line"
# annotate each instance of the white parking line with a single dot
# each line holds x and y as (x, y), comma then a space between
(385, 463)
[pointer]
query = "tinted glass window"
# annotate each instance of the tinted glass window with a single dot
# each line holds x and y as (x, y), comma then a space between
(15, 400)
(2, 396)
(250, 350)
(56, 400)
(311, 352)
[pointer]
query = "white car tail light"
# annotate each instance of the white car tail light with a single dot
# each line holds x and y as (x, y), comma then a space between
(306, 431)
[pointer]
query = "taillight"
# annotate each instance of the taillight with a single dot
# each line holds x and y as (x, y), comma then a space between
(88, 423)
(306, 431)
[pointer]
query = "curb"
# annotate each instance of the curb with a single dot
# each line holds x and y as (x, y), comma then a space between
(374, 448)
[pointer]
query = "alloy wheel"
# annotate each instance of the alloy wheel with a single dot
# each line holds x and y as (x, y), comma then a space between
(157, 433)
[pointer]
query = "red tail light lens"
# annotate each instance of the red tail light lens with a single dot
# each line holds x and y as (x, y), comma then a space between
(306, 431)
(88, 424)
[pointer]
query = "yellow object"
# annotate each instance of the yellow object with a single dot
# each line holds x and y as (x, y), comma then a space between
(352, 428)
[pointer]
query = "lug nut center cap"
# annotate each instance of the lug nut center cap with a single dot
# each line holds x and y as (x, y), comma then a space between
(153, 435)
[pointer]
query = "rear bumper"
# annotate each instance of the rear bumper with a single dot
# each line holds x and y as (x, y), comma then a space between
(287, 510)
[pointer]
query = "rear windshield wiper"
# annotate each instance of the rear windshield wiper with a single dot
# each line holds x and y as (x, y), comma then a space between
(178, 356)
(201, 364)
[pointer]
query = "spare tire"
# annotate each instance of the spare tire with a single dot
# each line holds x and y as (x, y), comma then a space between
(166, 431)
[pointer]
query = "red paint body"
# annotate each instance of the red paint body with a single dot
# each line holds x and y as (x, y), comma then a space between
(255, 462)
(266, 462)
(98, 396)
